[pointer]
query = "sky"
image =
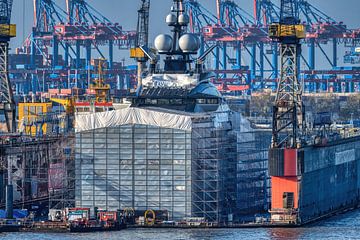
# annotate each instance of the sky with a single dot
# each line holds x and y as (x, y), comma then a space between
(124, 12)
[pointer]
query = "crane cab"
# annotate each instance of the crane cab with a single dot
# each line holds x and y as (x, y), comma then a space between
(281, 31)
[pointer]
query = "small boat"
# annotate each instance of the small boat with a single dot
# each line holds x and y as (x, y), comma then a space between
(95, 226)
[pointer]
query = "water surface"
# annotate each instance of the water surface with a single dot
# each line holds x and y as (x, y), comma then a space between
(344, 226)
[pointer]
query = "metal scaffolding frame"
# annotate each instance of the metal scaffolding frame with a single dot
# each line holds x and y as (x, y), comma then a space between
(188, 173)
(31, 161)
(213, 171)
(253, 189)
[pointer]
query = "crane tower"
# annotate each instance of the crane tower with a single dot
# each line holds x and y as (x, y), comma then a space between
(142, 37)
(288, 112)
(7, 31)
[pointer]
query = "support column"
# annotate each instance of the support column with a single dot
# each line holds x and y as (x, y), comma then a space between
(224, 58)
(352, 86)
(66, 55)
(238, 54)
(261, 64)
(334, 63)
(313, 87)
(275, 64)
(111, 54)
(253, 62)
(119, 83)
(55, 57)
(312, 54)
(33, 52)
(127, 82)
(9, 191)
(34, 85)
(17, 88)
(216, 60)
(78, 54)
(88, 54)
(26, 85)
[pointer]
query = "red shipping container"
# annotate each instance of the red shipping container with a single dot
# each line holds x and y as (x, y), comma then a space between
(106, 216)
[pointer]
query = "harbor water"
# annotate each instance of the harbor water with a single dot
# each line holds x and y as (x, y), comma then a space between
(344, 226)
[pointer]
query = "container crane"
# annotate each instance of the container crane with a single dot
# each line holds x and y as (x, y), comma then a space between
(288, 111)
(142, 38)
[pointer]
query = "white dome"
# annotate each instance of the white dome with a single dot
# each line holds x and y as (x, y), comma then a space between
(171, 19)
(163, 43)
(189, 43)
(183, 19)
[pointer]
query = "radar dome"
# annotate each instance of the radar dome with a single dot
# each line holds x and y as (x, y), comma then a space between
(189, 43)
(183, 19)
(171, 19)
(163, 43)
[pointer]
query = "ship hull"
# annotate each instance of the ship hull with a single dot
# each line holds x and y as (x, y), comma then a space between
(314, 182)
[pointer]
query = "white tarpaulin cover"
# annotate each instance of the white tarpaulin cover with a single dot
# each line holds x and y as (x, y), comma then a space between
(129, 116)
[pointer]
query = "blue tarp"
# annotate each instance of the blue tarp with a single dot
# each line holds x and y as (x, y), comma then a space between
(18, 213)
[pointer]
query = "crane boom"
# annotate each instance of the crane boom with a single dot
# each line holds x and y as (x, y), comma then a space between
(288, 110)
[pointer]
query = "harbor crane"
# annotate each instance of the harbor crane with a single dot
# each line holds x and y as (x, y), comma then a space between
(7, 103)
(288, 111)
(142, 38)
(7, 31)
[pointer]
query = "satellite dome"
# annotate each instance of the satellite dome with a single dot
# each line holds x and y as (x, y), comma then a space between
(171, 19)
(184, 19)
(163, 43)
(189, 43)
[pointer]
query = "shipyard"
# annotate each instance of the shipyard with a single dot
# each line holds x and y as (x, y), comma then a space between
(197, 116)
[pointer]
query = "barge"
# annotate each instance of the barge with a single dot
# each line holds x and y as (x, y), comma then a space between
(314, 181)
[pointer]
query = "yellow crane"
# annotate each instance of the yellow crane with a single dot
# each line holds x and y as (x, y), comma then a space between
(101, 89)
(67, 103)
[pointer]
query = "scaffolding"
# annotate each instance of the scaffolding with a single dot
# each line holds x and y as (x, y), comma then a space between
(214, 170)
(188, 170)
(31, 161)
(134, 166)
(61, 180)
(253, 189)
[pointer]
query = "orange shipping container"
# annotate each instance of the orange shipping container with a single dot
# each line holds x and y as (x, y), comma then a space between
(66, 91)
(53, 91)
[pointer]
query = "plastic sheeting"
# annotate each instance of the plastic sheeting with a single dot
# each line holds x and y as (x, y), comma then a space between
(130, 116)
(56, 175)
